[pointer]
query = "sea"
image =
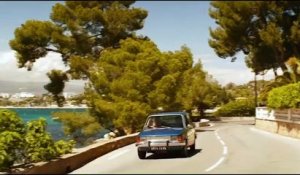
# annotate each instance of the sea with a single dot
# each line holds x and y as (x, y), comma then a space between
(53, 126)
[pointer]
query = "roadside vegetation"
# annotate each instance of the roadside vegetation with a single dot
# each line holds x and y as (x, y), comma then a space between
(128, 76)
(287, 96)
(80, 126)
(267, 33)
(27, 142)
(237, 108)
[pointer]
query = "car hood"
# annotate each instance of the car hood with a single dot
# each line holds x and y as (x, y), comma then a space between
(162, 132)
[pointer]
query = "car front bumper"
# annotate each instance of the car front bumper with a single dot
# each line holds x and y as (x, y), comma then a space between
(160, 146)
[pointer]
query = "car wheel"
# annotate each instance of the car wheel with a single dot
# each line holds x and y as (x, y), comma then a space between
(185, 152)
(142, 154)
(193, 147)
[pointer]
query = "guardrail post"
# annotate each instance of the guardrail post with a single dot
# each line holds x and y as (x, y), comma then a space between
(289, 114)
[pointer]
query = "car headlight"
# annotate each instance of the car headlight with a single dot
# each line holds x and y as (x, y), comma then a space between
(181, 138)
(140, 139)
(178, 138)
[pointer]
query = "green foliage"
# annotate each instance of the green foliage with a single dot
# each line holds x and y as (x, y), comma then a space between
(266, 32)
(199, 91)
(57, 84)
(127, 75)
(10, 121)
(79, 125)
(134, 80)
(25, 144)
(237, 108)
(11, 138)
(287, 96)
(39, 143)
(79, 31)
(132, 116)
(64, 147)
(88, 35)
(10, 143)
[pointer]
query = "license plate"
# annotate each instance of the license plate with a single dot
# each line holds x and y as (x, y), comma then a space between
(159, 148)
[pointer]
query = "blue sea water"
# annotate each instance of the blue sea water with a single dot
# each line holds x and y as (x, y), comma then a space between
(53, 126)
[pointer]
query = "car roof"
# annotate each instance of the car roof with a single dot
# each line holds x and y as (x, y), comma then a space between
(169, 113)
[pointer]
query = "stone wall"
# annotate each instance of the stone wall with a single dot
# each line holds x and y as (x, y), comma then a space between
(79, 157)
(237, 118)
(291, 129)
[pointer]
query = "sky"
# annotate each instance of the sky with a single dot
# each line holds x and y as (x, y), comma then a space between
(170, 24)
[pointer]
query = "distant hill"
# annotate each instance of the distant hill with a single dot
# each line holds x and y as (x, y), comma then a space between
(36, 88)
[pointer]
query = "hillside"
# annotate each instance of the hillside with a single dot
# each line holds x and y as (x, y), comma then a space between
(36, 88)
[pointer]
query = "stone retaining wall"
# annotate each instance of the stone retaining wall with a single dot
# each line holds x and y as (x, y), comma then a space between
(79, 157)
(290, 129)
(237, 118)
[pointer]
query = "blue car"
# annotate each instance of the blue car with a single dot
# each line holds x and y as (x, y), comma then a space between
(167, 131)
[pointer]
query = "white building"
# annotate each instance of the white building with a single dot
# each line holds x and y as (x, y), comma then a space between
(23, 95)
(4, 95)
(69, 94)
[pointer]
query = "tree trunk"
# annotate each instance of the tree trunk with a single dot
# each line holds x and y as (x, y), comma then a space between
(201, 110)
(275, 72)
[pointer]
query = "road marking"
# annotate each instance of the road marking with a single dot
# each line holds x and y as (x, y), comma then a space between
(222, 142)
(225, 151)
(118, 154)
(216, 164)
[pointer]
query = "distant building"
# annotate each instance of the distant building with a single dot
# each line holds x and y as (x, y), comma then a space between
(69, 94)
(4, 95)
(23, 95)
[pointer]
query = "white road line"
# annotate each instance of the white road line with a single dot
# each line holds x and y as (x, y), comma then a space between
(222, 142)
(225, 151)
(216, 164)
(118, 154)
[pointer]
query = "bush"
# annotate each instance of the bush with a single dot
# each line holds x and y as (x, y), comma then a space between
(39, 144)
(79, 125)
(20, 143)
(287, 96)
(236, 108)
(12, 130)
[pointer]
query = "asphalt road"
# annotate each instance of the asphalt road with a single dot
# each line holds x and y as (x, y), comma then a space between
(221, 148)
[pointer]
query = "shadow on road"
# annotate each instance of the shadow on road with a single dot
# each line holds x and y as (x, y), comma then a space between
(204, 130)
(172, 155)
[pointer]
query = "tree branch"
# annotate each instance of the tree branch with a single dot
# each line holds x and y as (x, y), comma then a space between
(53, 50)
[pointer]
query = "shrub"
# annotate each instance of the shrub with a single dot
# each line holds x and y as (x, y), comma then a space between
(20, 143)
(79, 125)
(287, 96)
(12, 130)
(39, 144)
(237, 108)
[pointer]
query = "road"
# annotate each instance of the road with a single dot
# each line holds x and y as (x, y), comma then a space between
(221, 148)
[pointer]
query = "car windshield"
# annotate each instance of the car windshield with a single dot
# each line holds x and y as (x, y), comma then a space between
(164, 121)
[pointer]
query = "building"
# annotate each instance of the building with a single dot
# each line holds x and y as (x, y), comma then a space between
(4, 95)
(22, 95)
(69, 94)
